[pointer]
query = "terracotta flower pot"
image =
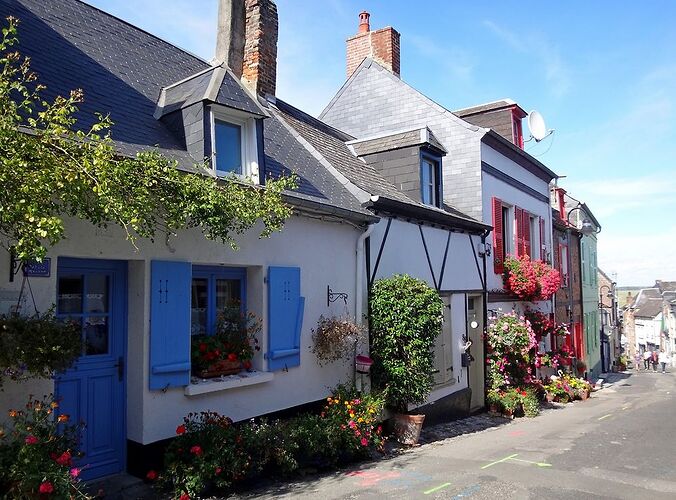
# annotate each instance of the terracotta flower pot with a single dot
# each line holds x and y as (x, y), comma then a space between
(550, 397)
(221, 367)
(407, 428)
(508, 413)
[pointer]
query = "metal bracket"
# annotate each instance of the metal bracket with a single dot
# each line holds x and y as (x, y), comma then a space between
(15, 265)
(332, 296)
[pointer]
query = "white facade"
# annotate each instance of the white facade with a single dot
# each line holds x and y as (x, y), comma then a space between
(403, 252)
(648, 330)
(325, 252)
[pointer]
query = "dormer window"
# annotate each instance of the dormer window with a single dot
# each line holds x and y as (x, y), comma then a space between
(228, 147)
(430, 180)
(234, 143)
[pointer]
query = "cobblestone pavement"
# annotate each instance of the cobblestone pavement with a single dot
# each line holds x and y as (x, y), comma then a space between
(463, 427)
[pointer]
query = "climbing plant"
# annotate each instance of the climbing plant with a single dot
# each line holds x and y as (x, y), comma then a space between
(50, 169)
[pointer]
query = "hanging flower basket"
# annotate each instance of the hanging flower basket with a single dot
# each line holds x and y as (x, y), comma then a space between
(530, 280)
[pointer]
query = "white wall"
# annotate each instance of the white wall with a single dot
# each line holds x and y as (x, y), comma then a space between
(325, 252)
(648, 330)
(494, 187)
(404, 253)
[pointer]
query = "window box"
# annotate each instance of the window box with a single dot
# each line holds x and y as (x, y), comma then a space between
(243, 379)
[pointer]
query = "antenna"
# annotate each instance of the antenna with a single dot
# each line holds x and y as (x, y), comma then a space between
(537, 127)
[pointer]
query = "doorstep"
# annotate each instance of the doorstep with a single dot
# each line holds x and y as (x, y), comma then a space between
(120, 487)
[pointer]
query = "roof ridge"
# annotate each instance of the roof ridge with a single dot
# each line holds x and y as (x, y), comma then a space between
(335, 132)
(137, 28)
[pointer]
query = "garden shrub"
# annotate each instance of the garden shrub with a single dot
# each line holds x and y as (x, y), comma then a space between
(36, 455)
(405, 318)
(37, 346)
(211, 453)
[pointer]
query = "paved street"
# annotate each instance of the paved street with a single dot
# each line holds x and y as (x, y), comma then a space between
(619, 444)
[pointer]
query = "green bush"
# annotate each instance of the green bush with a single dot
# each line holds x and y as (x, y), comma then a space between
(37, 346)
(36, 456)
(405, 318)
(211, 453)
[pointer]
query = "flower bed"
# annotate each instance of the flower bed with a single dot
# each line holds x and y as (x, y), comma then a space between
(36, 456)
(210, 454)
(530, 280)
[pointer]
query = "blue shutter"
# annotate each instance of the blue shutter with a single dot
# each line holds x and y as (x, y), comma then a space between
(170, 324)
(285, 317)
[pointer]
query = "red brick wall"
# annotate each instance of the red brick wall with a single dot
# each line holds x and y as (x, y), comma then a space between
(259, 69)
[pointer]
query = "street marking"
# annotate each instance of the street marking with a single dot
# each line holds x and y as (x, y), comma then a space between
(500, 461)
(512, 457)
(432, 490)
(539, 464)
(517, 433)
(605, 416)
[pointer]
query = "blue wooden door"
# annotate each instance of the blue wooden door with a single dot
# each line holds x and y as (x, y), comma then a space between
(93, 293)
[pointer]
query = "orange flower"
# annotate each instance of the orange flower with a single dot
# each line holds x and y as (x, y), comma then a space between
(13, 413)
(63, 418)
(54, 404)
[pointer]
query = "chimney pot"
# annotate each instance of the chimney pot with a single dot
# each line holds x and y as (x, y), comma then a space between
(364, 26)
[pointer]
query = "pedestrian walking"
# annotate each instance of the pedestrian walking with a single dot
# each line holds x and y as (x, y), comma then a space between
(647, 356)
(655, 357)
(663, 359)
(637, 360)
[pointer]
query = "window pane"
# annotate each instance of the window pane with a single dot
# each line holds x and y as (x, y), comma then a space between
(427, 182)
(228, 147)
(97, 294)
(200, 300)
(70, 295)
(96, 335)
(227, 293)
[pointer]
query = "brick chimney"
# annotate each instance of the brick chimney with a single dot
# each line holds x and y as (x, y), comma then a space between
(381, 45)
(259, 65)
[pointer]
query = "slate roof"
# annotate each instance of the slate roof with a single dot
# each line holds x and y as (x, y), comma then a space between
(330, 143)
(489, 106)
(397, 140)
(122, 71)
(649, 308)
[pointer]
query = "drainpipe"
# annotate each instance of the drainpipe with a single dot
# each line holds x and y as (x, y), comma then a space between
(359, 289)
(485, 313)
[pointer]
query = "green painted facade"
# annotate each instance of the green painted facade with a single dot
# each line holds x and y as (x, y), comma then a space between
(590, 299)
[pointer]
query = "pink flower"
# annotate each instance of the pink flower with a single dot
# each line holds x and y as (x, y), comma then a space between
(196, 450)
(364, 442)
(75, 472)
(352, 424)
(30, 439)
(46, 488)
(184, 496)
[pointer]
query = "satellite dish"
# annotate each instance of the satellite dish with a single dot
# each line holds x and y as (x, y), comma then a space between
(536, 125)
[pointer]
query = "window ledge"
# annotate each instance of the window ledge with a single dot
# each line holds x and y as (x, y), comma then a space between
(203, 386)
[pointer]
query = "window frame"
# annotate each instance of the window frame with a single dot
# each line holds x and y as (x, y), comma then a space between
(213, 273)
(508, 233)
(437, 182)
(248, 137)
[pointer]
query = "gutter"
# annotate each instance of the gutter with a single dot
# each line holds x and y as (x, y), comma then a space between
(314, 207)
(424, 214)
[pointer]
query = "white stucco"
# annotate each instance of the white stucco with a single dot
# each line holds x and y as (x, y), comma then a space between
(325, 252)
(404, 253)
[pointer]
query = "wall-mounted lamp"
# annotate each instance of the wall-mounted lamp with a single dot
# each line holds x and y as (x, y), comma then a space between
(587, 227)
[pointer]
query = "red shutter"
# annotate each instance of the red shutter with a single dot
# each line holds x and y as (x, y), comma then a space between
(543, 250)
(498, 236)
(526, 234)
(557, 258)
(518, 231)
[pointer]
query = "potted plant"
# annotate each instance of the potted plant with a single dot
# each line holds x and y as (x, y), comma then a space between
(530, 280)
(510, 401)
(406, 317)
(230, 349)
(334, 338)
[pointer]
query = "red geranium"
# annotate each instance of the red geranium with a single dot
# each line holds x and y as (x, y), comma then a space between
(46, 488)
(30, 439)
(64, 459)
(151, 475)
(196, 450)
(180, 429)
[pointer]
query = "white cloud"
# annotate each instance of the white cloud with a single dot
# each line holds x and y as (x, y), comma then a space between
(639, 257)
(556, 71)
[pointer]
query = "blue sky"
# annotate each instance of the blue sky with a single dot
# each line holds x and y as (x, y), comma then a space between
(602, 74)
